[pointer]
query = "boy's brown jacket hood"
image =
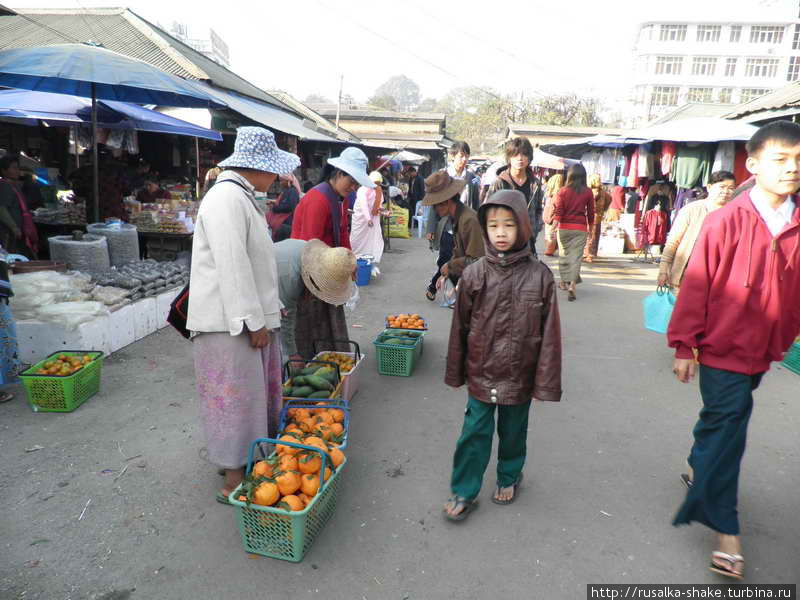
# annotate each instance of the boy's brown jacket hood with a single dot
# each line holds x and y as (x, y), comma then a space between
(514, 201)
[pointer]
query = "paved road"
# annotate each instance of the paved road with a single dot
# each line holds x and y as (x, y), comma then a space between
(601, 483)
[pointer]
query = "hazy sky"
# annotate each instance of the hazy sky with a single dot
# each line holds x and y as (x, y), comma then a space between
(303, 46)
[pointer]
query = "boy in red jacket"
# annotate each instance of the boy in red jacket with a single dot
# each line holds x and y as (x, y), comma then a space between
(738, 311)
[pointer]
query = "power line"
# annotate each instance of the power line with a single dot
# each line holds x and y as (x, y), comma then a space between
(423, 59)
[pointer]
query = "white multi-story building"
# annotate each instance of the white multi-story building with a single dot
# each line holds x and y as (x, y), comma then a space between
(720, 62)
(214, 47)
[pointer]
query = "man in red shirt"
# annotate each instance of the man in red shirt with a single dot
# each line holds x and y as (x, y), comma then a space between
(737, 313)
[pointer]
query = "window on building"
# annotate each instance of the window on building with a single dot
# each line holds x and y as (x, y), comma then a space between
(672, 33)
(708, 33)
(796, 37)
(669, 65)
(726, 96)
(761, 67)
(730, 67)
(766, 34)
(664, 95)
(794, 69)
(700, 94)
(751, 93)
(704, 65)
(736, 33)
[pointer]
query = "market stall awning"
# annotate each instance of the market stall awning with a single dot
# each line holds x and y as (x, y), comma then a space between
(85, 70)
(70, 111)
(700, 129)
(576, 148)
(549, 161)
(407, 157)
(268, 115)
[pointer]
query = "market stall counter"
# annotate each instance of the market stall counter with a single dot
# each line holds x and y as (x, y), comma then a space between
(101, 312)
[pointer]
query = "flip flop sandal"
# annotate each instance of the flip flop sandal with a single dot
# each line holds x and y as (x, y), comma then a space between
(731, 559)
(6, 397)
(223, 499)
(687, 481)
(513, 497)
(562, 286)
(571, 297)
(468, 507)
(430, 296)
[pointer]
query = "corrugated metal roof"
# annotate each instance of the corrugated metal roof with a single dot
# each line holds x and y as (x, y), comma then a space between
(777, 99)
(576, 130)
(321, 122)
(329, 110)
(692, 110)
(123, 31)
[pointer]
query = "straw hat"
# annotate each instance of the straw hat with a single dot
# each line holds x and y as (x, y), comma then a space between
(328, 272)
(440, 187)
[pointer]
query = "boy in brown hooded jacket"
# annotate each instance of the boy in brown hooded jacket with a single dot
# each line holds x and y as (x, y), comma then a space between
(505, 344)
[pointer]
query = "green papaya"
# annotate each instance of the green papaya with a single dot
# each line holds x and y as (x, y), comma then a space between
(320, 394)
(302, 391)
(299, 381)
(327, 373)
(394, 342)
(310, 370)
(319, 383)
(408, 342)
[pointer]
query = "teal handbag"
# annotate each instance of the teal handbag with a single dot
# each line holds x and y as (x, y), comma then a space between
(658, 310)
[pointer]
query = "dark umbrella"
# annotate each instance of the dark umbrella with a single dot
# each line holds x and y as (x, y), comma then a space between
(94, 72)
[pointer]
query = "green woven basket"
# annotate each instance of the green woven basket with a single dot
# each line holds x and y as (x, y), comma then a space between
(286, 535)
(394, 359)
(792, 360)
(56, 393)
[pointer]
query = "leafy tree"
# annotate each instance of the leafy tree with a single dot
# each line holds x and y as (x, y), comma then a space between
(386, 102)
(403, 90)
(428, 105)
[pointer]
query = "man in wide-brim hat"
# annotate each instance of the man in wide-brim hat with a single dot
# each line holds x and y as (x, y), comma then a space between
(443, 192)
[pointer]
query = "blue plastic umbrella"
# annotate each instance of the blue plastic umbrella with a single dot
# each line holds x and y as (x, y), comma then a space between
(93, 72)
(69, 111)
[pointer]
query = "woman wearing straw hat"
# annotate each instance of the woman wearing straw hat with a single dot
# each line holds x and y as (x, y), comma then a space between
(234, 311)
(315, 281)
(322, 212)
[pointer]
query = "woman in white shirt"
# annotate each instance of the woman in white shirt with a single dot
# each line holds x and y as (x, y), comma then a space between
(234, 307)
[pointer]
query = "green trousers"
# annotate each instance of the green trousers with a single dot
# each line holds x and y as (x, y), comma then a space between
(474, 447)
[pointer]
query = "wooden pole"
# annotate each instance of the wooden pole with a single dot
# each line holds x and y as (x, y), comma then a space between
(95, 163)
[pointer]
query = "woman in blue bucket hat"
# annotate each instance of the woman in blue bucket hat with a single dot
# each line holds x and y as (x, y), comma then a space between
(322, 212)
(235, 310)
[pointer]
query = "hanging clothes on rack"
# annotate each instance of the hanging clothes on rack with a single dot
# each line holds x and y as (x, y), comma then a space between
(633, 171)
(591, 162)
(740, 171)
(608, 166)
(724, 158)
(667, 157)
(692, 165)
(625, 162)
(646, 161)
(656, 226)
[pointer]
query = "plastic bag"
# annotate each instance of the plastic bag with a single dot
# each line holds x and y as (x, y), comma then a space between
(110, 295)
(354, 298)
(445, 292)
(398, 223)
(658, 308)
(71, 314)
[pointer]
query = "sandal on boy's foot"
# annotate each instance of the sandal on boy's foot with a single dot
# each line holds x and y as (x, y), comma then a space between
(729, 569)
(430, 295)
(222, 498)
(687, 480)
(467, 506)
(515, 487)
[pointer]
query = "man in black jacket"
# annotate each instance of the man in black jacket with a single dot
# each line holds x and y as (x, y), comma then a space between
(416, 192)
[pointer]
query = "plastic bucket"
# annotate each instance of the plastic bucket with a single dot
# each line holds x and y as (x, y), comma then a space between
(363, 271)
